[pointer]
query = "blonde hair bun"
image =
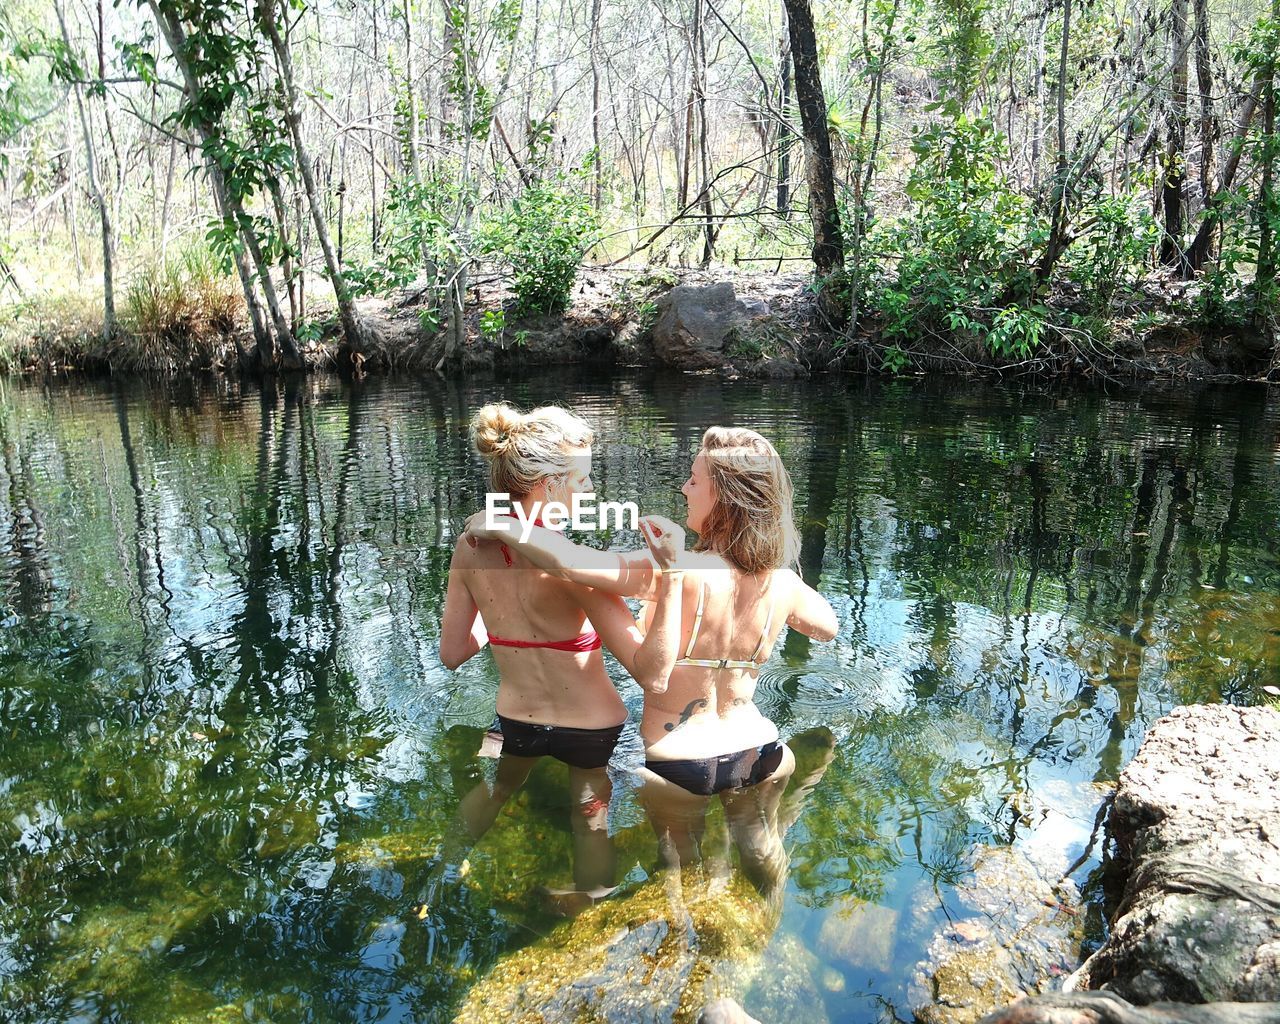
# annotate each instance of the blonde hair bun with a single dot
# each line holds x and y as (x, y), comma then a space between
(494, 426)
(524, 449)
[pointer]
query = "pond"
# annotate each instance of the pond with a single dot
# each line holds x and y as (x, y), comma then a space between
(231, 762)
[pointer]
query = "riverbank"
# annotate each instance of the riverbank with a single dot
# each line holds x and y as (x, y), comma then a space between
(724, 322)
(1195, 911)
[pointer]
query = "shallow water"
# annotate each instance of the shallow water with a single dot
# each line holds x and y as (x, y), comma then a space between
(230, 761)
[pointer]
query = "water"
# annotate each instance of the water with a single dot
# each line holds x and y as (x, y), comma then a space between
(230, 761)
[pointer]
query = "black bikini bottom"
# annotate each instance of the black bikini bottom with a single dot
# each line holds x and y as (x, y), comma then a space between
(710, 775)
(580, 748)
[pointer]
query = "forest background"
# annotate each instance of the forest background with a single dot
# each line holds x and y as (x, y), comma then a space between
(234, 181)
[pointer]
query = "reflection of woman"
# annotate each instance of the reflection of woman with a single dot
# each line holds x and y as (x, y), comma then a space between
(554, 696)
(703, 734)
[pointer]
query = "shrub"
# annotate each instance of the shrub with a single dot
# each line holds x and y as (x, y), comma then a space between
(962, 246)
(544, 235)
(416, 232)
(1116, 236)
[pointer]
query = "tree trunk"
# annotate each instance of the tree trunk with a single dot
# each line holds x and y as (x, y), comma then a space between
(231, 208)
(704, 158)
(1199, 250)
(1204, 78)
(828, 243)
(1038, 138)
(593, 56)
(1265, 279)
(95, 188)
(784, 133)
(689, 110)
(1171, 252)
(1058, 221)
(352, 325)
(415, 159)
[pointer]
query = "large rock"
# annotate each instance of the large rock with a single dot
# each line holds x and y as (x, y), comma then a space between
(1196, 827)
(696, 323)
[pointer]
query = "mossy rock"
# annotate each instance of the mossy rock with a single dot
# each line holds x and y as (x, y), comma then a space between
(655, 954)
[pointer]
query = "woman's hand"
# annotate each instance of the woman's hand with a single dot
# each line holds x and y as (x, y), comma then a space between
(665, 539)
(477, 528)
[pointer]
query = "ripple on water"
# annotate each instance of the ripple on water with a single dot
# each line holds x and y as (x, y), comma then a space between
(228, 728)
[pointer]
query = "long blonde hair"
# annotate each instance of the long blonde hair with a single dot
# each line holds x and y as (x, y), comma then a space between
(752, 522)
(523, 449)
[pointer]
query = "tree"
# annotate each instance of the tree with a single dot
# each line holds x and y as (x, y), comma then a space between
(357, 334)
(208, 50)
(1174, 169)
(71, 69)
(824, 215)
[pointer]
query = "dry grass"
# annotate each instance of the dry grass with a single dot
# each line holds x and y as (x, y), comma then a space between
(171, 318)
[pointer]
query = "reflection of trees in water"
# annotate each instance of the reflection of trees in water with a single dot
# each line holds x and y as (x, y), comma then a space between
(219, 601)
(184, 810)
(1052, 498)
(29, 589)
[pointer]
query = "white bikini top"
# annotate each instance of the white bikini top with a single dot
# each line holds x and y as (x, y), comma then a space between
(722, 662)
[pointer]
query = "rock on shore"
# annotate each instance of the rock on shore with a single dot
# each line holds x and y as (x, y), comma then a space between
(1195, 938)
(1196, 829)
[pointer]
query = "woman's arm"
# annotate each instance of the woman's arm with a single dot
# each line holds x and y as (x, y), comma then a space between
(811, 613)
(648, 656)
(657, 656)
(462, 632)
(628, 574)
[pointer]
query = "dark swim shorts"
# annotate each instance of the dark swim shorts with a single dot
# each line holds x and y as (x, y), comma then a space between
(580, 748)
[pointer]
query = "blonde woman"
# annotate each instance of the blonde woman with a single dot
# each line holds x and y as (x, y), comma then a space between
(703, 734)
(554, 695)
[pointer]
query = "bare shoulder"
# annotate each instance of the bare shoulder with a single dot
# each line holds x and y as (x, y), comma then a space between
(786, 580)
(464, 555)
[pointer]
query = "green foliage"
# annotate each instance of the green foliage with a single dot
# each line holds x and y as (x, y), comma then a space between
(476, 101)
(961, 245)
(417, 230)
(12, 118)
(1116, 237)
(961, 48)
(238, 121)
(1257, 52)
(1017, 331)
(308, 332)
(894, 360)
(1224, 298)
(492, 323)
(544, 235)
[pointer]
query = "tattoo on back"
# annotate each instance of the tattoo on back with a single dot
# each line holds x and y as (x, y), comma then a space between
(687, 713)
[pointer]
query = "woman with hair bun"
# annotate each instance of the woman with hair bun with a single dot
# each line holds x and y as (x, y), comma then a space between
(703, 734)
(554, 696)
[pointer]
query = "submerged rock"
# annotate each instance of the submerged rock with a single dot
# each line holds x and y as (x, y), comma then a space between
(660, 954)
(860, 935)
(1023, 932)
(1196, 827)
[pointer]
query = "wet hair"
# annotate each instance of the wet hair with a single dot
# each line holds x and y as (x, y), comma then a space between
(752, 521)
(524, 449)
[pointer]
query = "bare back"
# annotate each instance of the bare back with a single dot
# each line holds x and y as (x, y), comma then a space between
(707, 711)
(520, 602)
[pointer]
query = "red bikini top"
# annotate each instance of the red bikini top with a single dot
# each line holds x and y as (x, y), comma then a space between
(588, 641)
